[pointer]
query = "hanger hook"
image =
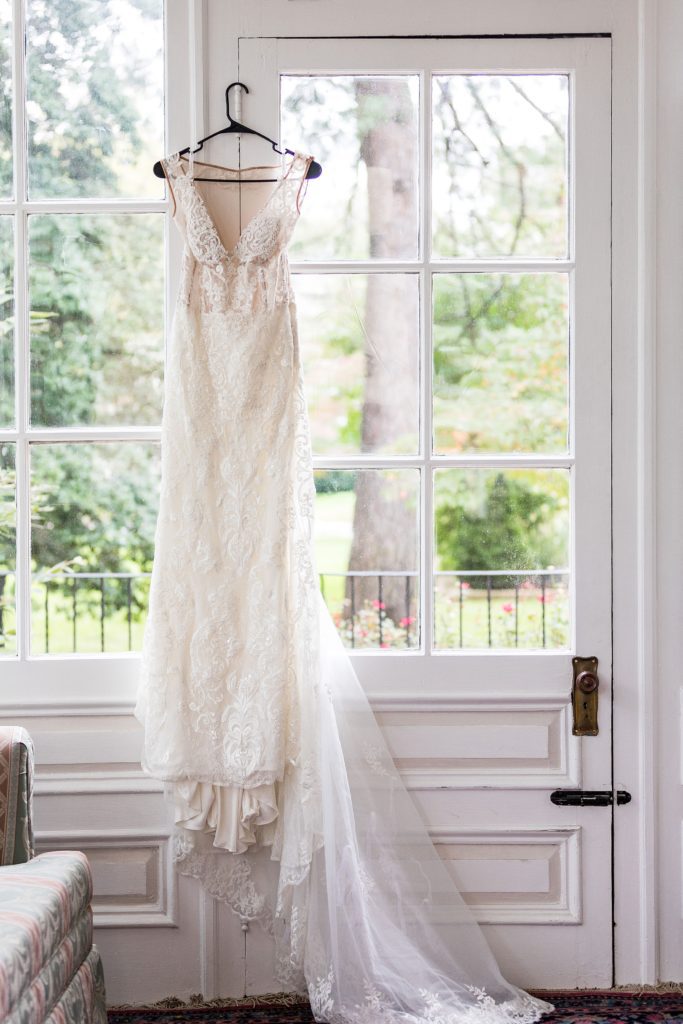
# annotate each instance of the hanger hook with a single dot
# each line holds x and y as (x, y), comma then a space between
(227, 96)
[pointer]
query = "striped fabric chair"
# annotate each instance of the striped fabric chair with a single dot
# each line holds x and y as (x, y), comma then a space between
(49, 969)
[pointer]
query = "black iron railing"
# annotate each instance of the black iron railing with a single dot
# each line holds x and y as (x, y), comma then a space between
(77, 586)
(358, 600)
(4, 576)
(545, 581)
(349, 621)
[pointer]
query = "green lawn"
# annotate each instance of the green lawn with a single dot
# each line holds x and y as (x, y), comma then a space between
(333, 536)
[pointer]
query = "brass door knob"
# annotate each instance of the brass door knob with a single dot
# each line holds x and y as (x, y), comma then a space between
(587, 682)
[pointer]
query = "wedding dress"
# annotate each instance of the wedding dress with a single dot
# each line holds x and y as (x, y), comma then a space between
(287, 803)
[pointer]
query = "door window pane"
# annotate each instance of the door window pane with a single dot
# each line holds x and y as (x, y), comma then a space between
(8, 554)
(95, 97)
(501, 363)
(366, 545)
(6, 321)
(363, 129)
(94, 517)
(502, 558)
(359, 341)
(6, 184)
(97, 320)
(500, 165)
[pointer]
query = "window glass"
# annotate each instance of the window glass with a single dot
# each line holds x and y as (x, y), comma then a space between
(359, 341)
(366, 545)
(501, 363)
(8, 535)
(97, 318)
(499, 174)
(502, 558)
(94, 97)
(6, 186)
(6, 321)
(363, 129)
(94, 512)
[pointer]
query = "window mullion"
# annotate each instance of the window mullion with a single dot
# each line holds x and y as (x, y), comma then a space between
(21, 327)
(62, 206)
(68, 435)
(426, 513)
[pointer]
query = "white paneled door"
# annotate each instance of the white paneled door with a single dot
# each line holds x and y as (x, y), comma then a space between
(453, 282)
(453, 289)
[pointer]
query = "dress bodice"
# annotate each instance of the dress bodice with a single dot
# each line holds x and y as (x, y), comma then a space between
(264, 236)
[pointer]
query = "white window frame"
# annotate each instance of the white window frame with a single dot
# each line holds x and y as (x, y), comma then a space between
(82, 680)
(391, 674)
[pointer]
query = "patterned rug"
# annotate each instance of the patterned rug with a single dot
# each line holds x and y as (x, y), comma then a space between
(576, 1007)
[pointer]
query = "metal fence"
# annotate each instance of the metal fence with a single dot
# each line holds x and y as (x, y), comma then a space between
(106, 594)
(104, 601)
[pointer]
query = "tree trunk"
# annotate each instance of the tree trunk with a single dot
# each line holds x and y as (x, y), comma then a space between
(384, 526)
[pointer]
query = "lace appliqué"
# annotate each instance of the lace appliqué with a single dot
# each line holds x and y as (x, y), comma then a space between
(377, 1009)
(523, 1010)
(225, 877)
(320, 996)
(376, 760)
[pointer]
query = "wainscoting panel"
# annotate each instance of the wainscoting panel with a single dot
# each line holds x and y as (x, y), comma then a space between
(515, 877)
(133, 879)
(502, 744)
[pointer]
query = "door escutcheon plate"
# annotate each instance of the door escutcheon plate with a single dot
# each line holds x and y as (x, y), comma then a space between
(585, 696)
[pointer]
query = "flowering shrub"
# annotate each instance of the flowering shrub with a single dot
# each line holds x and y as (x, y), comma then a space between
(373, 628)
(510, 621)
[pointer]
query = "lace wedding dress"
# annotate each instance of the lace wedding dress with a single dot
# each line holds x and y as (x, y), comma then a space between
(287, 803)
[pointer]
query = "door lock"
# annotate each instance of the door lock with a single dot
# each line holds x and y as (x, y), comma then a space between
(585, 696)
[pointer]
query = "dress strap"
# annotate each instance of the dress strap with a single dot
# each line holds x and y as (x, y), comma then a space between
(175, 171)
(296, 177)
(173, 166)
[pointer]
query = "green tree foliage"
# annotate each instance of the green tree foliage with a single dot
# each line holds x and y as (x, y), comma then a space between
(500, 362)
(498, 521)
(96, 318)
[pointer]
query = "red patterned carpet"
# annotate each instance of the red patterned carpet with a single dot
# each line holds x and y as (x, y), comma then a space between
(576, 1007)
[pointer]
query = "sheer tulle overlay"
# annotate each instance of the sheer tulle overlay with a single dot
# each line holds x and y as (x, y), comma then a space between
(288, 805)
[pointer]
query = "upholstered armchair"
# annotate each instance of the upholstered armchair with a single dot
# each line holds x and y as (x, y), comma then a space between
(49, 969)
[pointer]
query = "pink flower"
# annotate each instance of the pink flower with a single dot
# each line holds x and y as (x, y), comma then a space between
(384, 645)
(508, 608)
(407, 621)
(465, 585)
(378, 604)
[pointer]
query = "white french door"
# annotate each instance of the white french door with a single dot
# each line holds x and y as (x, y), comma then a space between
(453, 287)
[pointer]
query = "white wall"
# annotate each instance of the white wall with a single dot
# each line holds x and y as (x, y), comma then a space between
(669, 477)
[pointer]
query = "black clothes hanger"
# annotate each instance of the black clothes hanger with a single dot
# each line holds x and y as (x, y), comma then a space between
(314, 168)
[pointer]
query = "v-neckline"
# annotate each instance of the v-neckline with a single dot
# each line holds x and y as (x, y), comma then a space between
(231, 252)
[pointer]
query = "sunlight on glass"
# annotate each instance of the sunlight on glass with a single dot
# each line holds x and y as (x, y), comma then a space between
(359, 342)
(501, 363)
(367, 554)
(94, 512)
(95, 108)
(502, 558)
(6, 321)
(364, 131)
(6, 185)
(97, 318)
(500, 185)
(8, 550)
